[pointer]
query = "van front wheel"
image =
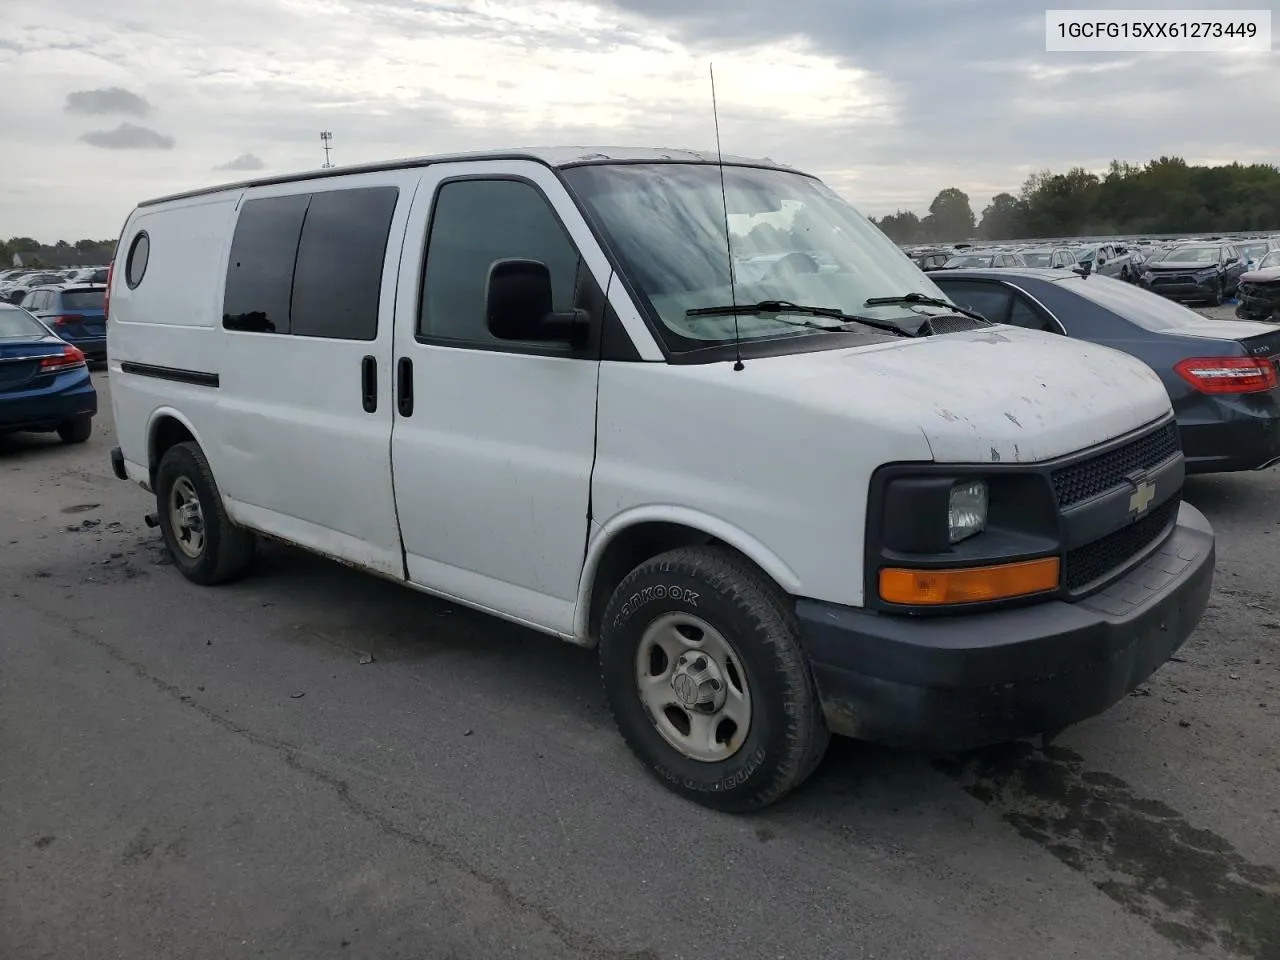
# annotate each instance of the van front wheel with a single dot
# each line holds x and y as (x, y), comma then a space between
(203, 542)
(708, 682)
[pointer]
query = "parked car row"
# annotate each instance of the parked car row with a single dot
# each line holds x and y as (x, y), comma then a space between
(1110, 259)
(1207, 270)
(15, 283)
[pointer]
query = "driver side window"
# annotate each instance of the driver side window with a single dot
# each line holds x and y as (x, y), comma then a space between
(474, 224)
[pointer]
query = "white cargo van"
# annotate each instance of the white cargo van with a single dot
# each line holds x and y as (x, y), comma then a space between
(723, 430)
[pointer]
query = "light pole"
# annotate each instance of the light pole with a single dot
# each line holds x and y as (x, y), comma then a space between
(327, 139)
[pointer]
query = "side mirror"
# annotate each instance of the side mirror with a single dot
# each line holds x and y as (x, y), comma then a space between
(1231, 260)
(518, 305)
(1102, 261)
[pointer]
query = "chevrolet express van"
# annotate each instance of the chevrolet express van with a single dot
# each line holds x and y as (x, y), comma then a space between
(703, 417)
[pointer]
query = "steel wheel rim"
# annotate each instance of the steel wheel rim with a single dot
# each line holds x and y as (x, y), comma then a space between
(186, 518)
(693, 686)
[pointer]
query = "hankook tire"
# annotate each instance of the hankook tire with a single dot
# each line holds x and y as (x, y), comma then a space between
(707, 679)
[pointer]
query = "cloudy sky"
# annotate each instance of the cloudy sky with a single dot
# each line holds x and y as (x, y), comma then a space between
(104, 104)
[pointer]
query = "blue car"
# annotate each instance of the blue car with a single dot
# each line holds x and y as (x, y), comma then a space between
(76, 313)
(44, 381)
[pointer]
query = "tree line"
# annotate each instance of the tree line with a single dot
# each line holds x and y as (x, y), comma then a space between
(33, 253)
(1164, 196)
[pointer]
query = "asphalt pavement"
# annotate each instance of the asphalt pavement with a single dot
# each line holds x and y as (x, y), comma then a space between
(317, 763)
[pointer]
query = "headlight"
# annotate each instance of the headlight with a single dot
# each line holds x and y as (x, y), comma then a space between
(967, 509)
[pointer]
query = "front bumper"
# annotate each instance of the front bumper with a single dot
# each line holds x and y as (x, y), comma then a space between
(1258, 301)
(963, 681)
(1175, 290)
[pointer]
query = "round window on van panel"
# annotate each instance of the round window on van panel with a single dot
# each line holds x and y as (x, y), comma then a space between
(136, 264)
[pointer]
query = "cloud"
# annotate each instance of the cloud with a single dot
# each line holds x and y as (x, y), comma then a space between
(246, 161)
(887, 102)
(128, 136)
(105, 101)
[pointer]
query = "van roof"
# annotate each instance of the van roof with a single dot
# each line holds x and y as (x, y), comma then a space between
(557, 157)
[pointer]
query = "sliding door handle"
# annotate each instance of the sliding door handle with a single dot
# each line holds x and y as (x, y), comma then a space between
(404, 387)
(369, 384)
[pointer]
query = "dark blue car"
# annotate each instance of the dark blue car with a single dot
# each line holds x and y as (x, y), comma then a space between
(44, 381)
(76, 313)
(1223, 376)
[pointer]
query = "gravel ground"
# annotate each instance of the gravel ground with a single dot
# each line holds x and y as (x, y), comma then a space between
(316, 763)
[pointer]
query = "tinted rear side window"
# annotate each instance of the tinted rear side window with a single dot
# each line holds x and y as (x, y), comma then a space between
(338, 278)
(260, 271)
(82, 299)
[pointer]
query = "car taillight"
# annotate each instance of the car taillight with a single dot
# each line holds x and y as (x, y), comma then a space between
(68, 318)
(70, 357)
(1228, 374)
(106, 297)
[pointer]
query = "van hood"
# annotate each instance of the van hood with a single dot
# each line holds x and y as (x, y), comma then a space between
(994, 395)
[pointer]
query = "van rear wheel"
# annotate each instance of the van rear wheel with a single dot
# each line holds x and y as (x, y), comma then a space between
(707, 680)
(205, 545)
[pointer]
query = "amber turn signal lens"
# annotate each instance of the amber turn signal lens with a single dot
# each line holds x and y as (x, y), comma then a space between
(970, 584)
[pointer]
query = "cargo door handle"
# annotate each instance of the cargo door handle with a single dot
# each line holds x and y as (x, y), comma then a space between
(369, 384)
(404, 387)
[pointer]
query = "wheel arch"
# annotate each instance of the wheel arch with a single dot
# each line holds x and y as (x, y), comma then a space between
(166, 428)
(634, 536)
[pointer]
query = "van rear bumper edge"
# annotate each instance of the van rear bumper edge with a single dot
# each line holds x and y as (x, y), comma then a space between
(121, 468)
(943, 684)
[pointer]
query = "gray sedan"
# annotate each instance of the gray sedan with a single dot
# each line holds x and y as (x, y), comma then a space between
(1223, 376)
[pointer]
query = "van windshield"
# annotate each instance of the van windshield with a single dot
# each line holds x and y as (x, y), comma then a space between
(792, 237)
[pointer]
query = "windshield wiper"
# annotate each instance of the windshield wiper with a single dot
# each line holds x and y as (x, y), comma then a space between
(923, 300)
(786, 306)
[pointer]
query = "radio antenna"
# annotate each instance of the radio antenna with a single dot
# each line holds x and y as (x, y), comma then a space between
(728, 241)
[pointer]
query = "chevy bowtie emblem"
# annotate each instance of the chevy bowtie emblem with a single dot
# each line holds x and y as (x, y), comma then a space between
(1144, 492)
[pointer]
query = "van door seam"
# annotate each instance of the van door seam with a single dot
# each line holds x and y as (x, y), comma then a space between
(391, 381)
(595, 443)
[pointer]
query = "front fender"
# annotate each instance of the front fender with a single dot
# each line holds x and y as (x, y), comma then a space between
(695, 520)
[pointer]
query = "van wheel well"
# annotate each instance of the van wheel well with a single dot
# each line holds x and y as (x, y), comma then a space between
(167, 432)
(634, 546)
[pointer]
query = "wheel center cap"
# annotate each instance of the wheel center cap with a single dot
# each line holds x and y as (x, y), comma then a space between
(698, 683)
